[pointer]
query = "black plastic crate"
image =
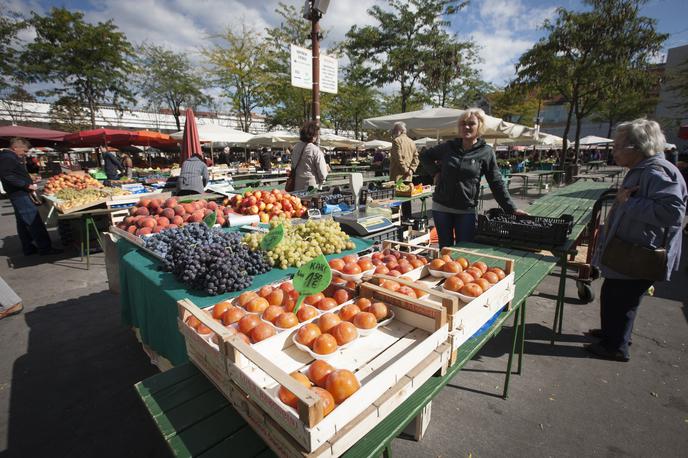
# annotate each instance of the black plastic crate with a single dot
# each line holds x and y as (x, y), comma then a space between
(376, 194)
(539, 231)
(395, 233)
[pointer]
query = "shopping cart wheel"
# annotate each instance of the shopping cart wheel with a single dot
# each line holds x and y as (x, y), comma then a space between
(585, 292)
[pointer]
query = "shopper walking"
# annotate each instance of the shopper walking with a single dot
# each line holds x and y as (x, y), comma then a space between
(641, 241)
(18, 185)
(457, 167)
(112, 165)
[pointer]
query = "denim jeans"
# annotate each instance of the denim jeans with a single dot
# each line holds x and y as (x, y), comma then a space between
(30, 228)
(453, 228)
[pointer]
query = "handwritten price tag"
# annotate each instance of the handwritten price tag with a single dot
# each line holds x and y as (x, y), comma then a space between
(272, 238)
(311, 278)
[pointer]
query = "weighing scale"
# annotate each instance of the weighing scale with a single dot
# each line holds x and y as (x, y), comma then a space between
(357, 222)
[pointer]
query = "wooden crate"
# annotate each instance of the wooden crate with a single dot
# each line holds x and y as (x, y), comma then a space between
(464, 318)
(391, 363)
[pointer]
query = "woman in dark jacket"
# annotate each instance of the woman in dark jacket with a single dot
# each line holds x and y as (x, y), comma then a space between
(458, 166)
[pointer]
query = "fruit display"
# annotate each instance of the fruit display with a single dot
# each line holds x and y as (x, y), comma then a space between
(68, 181)
(333, 385)
(208, 259)
(303, 242)
(150, 216)
(267, 204)
(386, 262)
(407, 190)
(467, 280)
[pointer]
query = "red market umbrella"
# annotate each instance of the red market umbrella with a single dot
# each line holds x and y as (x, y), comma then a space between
(154, 139)
(683, 132)
(99, 137)
(191, 143)
(36, 135)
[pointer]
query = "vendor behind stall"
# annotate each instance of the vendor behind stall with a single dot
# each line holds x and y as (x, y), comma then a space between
(112, 165)
(193, 177)
(265, 159)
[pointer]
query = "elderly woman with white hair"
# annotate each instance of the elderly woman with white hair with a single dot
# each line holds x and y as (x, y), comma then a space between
(641, 240)
(458, 166)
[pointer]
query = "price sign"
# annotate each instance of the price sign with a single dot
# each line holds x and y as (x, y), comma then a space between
(311, 278)
(210, 219)
(272, 238)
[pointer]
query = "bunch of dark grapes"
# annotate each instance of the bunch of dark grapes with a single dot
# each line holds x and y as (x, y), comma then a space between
(208, 259)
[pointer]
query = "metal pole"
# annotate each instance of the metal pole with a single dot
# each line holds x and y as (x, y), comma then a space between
(315, 38)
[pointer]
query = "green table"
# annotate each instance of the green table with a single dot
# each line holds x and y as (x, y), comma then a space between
(423, 197)
(149, 298)
(195, 419)
(578, 200)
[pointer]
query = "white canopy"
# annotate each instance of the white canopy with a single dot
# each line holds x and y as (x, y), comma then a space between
(337, 141)
(542, 139)
(593, 140)
(217, 134)
(277, 139)
(377, 144)
(425, 141)
(442, 122)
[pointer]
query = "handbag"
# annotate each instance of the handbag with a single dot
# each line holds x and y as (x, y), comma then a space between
(636, 261)
(291, 179)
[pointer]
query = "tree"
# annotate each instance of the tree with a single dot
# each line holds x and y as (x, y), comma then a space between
(677, 82)
(68, 114)
(588, 53)
(290, 106)
(91, 64)
(168, 79)
(629, 99)
(354, 102)
(239, 66)
(12, 93)
(14, 101)
(514, 105)
(395, 50)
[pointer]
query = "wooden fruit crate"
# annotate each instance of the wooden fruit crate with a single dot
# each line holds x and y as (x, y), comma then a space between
(464, 318)
(391, 363)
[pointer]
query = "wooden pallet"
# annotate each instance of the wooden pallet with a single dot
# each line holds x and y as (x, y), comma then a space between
(391, 363)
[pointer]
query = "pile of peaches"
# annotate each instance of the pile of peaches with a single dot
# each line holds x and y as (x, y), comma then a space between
(333, 386)
(258, 315)
(386, 262)
(333, 330)
(469, 279)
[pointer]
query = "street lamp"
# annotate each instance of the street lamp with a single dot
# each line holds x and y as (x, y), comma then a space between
(313, 10)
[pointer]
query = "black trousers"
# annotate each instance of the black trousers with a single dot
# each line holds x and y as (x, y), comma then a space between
(619, 301)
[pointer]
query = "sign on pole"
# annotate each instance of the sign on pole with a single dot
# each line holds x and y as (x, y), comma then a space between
(302, 70)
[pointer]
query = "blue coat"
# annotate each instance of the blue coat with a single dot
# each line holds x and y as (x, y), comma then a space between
(659, 203)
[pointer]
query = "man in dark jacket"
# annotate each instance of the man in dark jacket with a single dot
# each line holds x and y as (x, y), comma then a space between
(113, 166)
(265, 159)
(18, 185)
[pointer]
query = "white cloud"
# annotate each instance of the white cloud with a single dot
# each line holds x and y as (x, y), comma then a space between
(503, 29)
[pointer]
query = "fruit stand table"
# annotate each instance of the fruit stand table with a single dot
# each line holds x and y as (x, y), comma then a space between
(196, 419)
(578, 200)
(88, 224)
(149, 299)
(540, 175)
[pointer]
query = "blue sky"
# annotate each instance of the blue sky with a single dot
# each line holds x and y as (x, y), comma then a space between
(503, 29)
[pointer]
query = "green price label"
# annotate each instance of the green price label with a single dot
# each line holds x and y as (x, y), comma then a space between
(272, 238)
(311, 278)
(210, 220)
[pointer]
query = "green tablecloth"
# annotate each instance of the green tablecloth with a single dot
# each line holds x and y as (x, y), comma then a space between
(149, 297)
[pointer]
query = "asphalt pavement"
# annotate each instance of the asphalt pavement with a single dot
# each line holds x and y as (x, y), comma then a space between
(68, 366)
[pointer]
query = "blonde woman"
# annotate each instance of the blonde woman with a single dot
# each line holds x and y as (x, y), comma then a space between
(458, 166)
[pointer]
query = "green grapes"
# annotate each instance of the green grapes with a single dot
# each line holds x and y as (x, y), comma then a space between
(303, 242)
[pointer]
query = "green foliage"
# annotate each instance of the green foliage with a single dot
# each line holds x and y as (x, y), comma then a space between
(239, 67)
(407, 41)
(10, 26)
(677, 82)
(289, 106)
(586, 55)
(89, 63)
(68, 114)
(514, 105)
(168, 79)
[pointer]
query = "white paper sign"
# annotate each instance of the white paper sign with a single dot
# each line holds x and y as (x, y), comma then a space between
(302, 70)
